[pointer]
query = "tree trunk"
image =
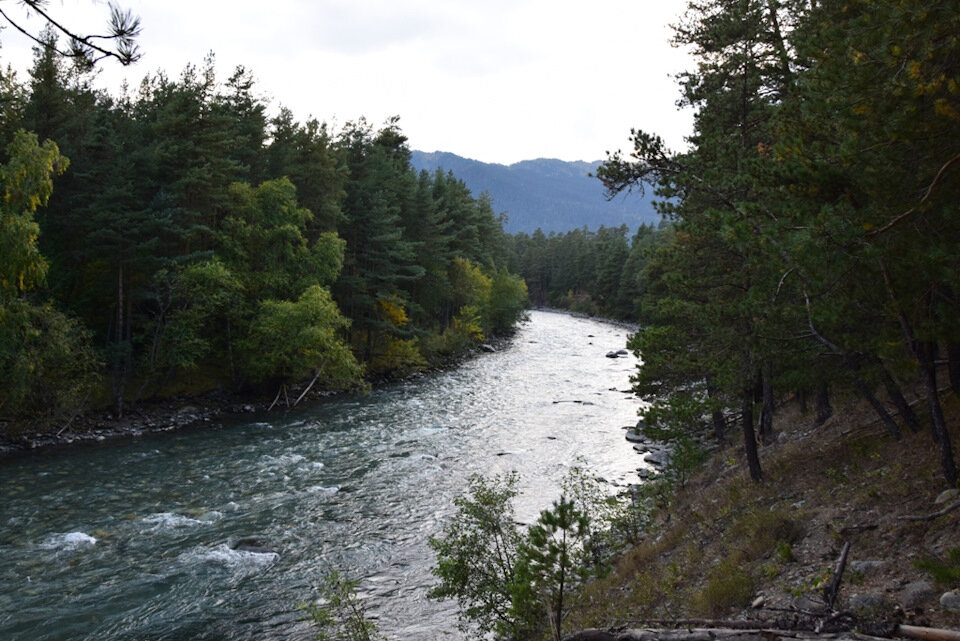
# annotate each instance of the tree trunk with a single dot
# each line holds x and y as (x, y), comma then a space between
(941, 435)
(766, 414)
(119, 376)
(750, 438)
(719, 425)
(802, 400)
(824, 410)
(896, 395)
(928, 373)
(953, 363)
(881, 411)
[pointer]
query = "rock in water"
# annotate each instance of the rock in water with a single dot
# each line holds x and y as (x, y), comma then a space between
(257, 546)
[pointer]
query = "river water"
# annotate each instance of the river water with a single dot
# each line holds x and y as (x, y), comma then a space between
(132, 539)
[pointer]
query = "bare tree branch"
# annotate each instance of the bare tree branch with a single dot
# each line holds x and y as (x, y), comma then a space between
(926, 196)
(87, 50)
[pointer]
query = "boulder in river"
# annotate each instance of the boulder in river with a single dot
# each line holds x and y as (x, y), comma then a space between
(613, 355)
(257, 546)
(660, 459)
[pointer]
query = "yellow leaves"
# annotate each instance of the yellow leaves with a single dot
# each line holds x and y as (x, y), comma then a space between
(943, 108)
(867, 226)
(863, 109)
(393, 310)
(914, 67)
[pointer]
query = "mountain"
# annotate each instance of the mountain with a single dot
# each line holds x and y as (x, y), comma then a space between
(553, 195)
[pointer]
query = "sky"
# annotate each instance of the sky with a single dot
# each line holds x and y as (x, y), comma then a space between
(494, 80)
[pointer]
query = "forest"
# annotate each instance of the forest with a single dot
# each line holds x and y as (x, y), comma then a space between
(175, 240)
(811, 240)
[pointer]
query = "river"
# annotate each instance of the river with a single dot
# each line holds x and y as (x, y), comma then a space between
(131, 539)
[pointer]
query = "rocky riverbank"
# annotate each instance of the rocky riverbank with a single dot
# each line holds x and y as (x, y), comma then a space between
(145, 418)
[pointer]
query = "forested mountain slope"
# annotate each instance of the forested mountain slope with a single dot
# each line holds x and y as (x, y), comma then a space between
(552, 195)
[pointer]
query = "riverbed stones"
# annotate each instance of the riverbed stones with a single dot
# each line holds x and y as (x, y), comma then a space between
(866, 567)
(916, 594)
(950, 601)
(867, 604)
(657, 458)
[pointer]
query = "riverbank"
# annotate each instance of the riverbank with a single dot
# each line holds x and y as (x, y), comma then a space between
(727, 548)
(169, 414)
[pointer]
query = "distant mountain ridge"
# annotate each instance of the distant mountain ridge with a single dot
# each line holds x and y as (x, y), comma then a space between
(553, 195)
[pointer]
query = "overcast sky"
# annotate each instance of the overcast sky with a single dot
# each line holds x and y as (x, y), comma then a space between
(494, 80)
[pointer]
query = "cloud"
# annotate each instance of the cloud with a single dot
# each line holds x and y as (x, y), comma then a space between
(498, 80)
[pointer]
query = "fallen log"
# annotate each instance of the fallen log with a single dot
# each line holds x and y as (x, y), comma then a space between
(935, 515)
(927, 634)
(832, 588)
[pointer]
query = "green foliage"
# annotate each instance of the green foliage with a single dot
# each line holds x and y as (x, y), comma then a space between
(339, 613)
(477, 555)
(289, 340)
(507, 302)
(945, 571)
(590, 272)
(552, 563)
(27, 181)
(508, 581)
(190, 228)
(46, 363)
(686, 458)
(192, 302)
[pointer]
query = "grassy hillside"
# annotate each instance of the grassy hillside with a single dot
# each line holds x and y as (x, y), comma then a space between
(728, 548)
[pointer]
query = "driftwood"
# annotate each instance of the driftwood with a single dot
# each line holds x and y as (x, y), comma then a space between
(708, 623)
(310, 386)
(935, 515)
(276, 398)
(832, 588)
(927, 634)
(857, 529)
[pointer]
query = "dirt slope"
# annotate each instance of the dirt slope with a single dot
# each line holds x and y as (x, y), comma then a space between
(728, 548)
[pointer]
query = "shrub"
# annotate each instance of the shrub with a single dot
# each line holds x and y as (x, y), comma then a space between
(339, 614)
(727, 586)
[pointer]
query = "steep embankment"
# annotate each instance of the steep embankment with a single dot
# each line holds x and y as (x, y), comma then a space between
(728, 548)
